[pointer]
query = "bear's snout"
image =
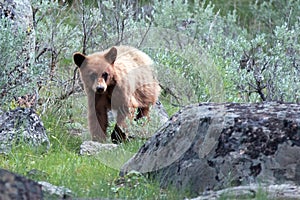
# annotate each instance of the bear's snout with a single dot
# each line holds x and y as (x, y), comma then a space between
(100, 89)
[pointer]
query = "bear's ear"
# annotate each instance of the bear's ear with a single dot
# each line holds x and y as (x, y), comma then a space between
(111, 55)
(78, 58)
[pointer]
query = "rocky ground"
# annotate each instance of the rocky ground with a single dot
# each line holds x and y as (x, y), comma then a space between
(207, 150)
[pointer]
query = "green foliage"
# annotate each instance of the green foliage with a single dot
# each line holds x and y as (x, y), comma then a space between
(269, 14)
(274, 75)
(57, 129)
(272, 65)
(241, 51)
(102, 26)
(17, 75)
(174, 67)
(202, 39)
(241, 7)
(57, 38)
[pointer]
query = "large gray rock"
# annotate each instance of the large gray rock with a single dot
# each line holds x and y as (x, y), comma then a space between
(20, 126)
(214, 146)
(13, 186)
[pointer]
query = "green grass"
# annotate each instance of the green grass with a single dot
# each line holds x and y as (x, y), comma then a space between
(63, 168)
(86, 176)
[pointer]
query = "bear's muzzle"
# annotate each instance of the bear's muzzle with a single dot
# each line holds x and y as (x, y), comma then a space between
(100, 89)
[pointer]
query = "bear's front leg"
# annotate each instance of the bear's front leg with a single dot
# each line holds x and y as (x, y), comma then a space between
(96, 130)
(101, 112)
(102, 118)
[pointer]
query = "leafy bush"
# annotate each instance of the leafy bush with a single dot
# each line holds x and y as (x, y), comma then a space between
(18, 74)
(269, 14)
(271, 69)
(56, 41)
(274, 71)
(201, 36)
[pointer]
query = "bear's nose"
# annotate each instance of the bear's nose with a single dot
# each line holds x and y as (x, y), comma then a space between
(100, 88)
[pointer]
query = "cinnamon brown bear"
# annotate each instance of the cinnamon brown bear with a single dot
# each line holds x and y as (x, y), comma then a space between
(120, 79)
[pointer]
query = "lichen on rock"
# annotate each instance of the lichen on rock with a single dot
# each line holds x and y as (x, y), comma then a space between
(22, 126)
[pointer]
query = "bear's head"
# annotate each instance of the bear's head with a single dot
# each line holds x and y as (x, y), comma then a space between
(96, 70)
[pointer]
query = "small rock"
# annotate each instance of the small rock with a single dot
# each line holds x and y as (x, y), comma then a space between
(93, 148)
(254, 191)
(54, 192)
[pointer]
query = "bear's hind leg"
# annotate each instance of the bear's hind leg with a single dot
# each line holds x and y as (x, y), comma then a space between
(142, 112)
(117, 136)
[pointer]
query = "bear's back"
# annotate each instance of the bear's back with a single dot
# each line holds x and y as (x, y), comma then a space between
(132, 64)
(132, 57)
(134, 72)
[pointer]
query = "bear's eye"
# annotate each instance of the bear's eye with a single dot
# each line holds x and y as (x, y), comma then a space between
(105, 76)
(94, 76)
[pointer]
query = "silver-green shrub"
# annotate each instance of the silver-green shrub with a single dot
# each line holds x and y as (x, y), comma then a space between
(17, 74)
(245, 68)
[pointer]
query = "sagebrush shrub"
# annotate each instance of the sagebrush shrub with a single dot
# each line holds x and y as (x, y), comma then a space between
(17, 74)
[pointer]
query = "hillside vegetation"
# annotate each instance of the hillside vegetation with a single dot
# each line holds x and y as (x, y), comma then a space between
(219, 51)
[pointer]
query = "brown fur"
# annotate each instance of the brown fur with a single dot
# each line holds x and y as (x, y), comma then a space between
(121, 79)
